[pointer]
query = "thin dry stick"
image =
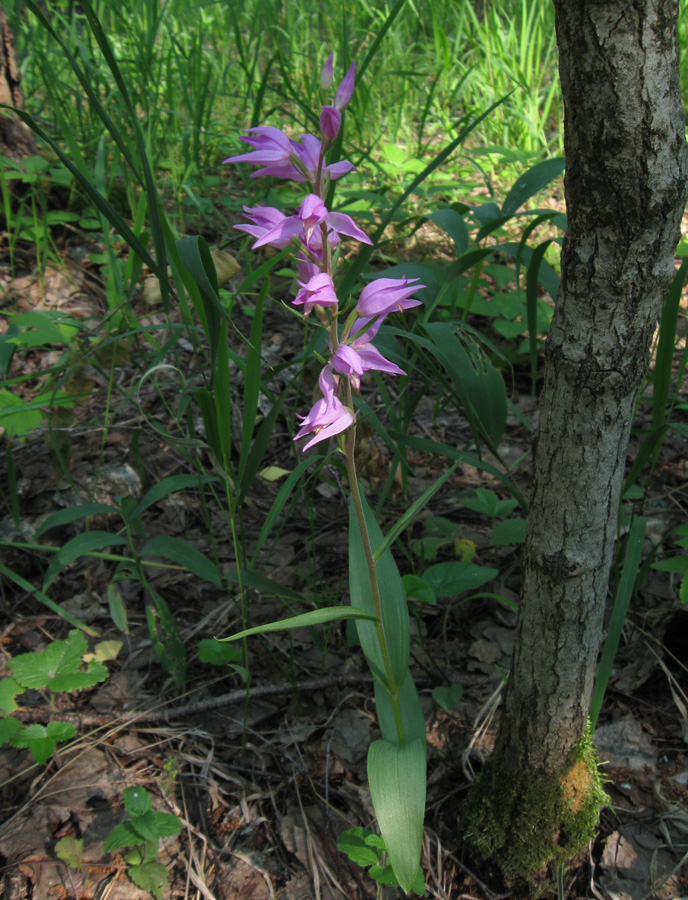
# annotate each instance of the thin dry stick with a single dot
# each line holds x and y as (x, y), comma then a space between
(160, 714)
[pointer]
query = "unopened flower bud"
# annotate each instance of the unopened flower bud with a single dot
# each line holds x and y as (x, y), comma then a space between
(330, 120)
(345, 91)
(327, 74)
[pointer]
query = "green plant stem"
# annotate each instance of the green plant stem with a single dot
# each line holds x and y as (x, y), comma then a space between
(372, 571)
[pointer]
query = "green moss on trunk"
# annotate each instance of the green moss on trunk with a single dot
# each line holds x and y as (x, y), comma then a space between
(520, 825)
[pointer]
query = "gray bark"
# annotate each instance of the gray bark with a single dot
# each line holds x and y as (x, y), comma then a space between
(16, 139)
(625, 182)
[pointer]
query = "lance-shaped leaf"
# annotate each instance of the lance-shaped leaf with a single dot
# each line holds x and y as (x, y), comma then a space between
(396, 776)
(395, 620)
(305, 620)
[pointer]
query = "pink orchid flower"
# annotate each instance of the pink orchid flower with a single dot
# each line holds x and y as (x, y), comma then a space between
(303, 224)
(358, 355)
(317, 291)
(386, 295)
(328, 416)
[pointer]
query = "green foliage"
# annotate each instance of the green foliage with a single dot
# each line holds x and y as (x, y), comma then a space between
(58, 668)
(140, 835)
(367, 849)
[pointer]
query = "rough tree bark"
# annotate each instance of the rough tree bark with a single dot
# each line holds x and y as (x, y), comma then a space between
(538, 799)
(16, 139)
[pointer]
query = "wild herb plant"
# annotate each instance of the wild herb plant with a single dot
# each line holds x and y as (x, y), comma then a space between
(396, 764)
(139, 836)
(57, 669)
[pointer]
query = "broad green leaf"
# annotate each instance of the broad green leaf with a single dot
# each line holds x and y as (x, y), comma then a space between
(81, 545)
(178, 551)
(36, 670)
(60, 731)
(167, 824)
(35, 738)
(678, 565)
(488, 503)
(412, 719)
(305, 620)
(451, 578)
(74, 514)
(354, 843)
(447, 696)
(510, 531)
(8, 729)
(70, 851)
(17, 418)
(123, 835)
(137, 801)
(453, 224)
(146, 825)
(143, 853)
(218, 654)
(478, 385)
(397, 779)
(79, 681)
(417, 589)
(9, 688)
(169, 486)
(395, 620)
(532, 181)
(151, 877)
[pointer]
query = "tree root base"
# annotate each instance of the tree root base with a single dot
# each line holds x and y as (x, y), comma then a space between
(523, 826)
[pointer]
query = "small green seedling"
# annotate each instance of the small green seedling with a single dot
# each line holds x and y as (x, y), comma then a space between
(59, 669)
(365, 848)
(139, 835)
(447, 696)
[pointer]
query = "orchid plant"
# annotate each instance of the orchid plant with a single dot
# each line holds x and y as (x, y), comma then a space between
(397, 763)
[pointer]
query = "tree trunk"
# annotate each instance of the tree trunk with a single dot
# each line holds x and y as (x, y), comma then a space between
(16, 139)
(538, 799)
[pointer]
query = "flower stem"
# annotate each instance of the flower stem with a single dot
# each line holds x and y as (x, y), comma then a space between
(392, 686)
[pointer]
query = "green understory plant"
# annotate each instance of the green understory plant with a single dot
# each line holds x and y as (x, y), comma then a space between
(139, 836)
(57, 669)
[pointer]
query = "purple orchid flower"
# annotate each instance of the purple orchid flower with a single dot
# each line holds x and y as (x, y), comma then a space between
(330, 122)
(327, 75)
(309, 154)
(303, 224)
(345, 91)
(328, 416)
(386, 295)
(266, 220)
(274, 150)
(358, 355)
(318, 291)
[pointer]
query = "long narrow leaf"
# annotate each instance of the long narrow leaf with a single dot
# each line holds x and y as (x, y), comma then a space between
(634, 549)
(397, 780)
(413, 510)
(305, 620)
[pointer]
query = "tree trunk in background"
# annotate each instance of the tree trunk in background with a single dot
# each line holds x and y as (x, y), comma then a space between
(16, 140)
(538, 798)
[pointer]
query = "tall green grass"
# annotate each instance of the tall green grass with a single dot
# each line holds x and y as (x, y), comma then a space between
(197, 73)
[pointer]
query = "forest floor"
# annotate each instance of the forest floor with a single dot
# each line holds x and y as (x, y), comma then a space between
(265, 784)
